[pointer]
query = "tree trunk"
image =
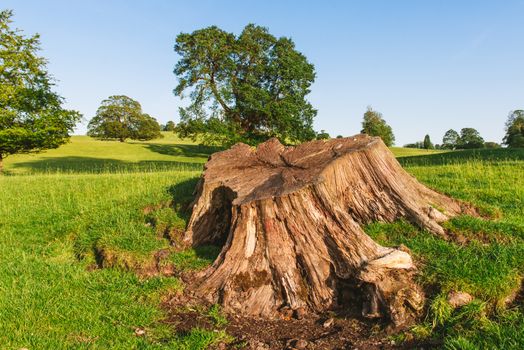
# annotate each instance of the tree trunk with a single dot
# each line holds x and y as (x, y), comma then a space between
(289, 220)
(1, 164)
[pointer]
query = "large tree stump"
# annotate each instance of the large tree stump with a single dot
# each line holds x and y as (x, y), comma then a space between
(289, 220)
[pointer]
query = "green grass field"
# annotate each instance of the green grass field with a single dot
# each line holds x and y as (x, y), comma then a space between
(79, 231)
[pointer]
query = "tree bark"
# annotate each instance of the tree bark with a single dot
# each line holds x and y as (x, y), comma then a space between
(1, 164)
(289, 220)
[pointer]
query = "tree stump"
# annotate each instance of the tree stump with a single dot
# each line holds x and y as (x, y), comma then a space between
(289, 220)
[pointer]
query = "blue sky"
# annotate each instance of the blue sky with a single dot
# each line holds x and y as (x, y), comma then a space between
(426, 65)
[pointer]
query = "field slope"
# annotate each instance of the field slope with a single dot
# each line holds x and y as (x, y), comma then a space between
(80, 234)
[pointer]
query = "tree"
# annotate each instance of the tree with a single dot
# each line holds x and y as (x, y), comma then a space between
(374, 125)
(291, 228)
(120, 118)
(247, 88)
(170, 126)
(470, 138)
(450, 140)
(323, 135)
(515, 129)
(427, 143)
(32, 118)
(491, 145)
(418, 144)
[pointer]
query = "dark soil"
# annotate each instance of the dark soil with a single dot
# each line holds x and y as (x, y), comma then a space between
(185, 313)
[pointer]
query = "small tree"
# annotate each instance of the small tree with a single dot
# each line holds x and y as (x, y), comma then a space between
(450, 140)
(170, 126)
(246, 88)
(31, 115)
(515, 129)
(427, 143)
(120, 118)
(374, 125)
(323, 135)
(470, 138)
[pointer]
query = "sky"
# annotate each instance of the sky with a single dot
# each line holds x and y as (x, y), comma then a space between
(426, 65)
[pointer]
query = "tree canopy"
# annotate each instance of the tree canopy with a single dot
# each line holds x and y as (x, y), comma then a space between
(120, 118)
(31, 114)
(427, 143)
(515, 129)
(170, 126)
(470, 138)
(451, 139)
(245, 88)
(374, 125)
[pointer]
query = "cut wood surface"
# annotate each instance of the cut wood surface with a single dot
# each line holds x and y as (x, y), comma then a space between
(289, 220)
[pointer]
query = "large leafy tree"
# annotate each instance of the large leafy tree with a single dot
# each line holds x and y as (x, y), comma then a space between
(32, 118)
(451, 139)
(470, 138)
(515, 129)
(374, 124)
(120, 118)
(243, 88)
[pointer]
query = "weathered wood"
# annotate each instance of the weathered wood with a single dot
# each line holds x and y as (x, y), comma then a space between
(289, 220)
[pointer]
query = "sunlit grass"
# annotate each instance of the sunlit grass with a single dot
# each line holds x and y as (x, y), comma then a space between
(127, 201)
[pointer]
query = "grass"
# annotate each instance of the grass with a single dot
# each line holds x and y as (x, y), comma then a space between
(85, 155)
(490, 266)
(93, 204)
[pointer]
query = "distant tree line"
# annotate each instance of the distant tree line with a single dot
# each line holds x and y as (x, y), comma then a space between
(245, 88)
(468, 138)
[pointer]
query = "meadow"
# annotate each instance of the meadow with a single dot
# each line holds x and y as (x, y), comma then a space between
(80, 228)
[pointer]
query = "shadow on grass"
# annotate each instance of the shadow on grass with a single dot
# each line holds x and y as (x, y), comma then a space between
(464, 156)
(198, 151)
(88, 165)
(183, 194)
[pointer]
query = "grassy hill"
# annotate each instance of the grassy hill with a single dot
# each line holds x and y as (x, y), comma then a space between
(86, 155)
(80, 232)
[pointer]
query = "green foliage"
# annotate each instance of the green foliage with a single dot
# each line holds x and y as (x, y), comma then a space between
(418, 144)
(374, 125)
(170, 126)
(31, 114)
(120, 118)
(470, 138)
(451, 139)
(515, 129)
(247, 88)
(427, 143)
(323, 135)
(491, 145)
